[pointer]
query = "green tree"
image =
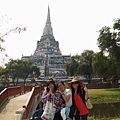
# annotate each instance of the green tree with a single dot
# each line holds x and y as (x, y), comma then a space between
(80, 65)
(108, 37)
(4, 77)
(85, 64)
(6, 33)
(3, 80)
(19, 69)
(100, 65)
(2, 36)
(71, 67)
(107, 42)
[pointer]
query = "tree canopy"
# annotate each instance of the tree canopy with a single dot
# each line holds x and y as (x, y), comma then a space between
(103, 64)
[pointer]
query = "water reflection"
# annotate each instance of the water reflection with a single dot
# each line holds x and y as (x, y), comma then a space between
(105, 110)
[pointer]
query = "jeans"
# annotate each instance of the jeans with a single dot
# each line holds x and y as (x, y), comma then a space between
(37, 113)
(65, 112)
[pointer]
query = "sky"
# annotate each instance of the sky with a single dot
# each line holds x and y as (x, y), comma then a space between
(75, 24)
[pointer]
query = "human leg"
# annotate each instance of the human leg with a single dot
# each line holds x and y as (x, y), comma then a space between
(58, 116)
(77, 117)
(67, 112)
(84, 117)
(37, 113)
(62, 113)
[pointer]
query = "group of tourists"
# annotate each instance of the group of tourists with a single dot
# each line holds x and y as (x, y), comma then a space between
(69, 102)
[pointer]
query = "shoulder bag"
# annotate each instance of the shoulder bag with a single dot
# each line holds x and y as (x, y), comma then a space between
(89, 104)
(49, 111)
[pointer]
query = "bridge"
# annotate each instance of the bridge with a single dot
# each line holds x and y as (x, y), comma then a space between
(19, 103)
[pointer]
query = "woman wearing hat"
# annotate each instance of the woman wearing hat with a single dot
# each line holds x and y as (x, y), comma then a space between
(79, 96)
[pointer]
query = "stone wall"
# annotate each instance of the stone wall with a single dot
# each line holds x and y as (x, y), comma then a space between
(98, 85)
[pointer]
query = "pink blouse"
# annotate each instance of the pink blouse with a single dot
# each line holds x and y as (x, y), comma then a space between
(56, 97)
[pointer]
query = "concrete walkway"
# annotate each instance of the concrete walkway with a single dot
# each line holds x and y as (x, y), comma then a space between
(8, 109)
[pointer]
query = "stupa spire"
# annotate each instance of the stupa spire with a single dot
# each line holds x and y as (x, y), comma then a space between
(48, 16)
(48, 29)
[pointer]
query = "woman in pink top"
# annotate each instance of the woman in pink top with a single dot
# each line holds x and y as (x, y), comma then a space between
(49, 94)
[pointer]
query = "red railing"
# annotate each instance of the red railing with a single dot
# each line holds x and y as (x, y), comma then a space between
(3, 96)
(13, 91)
(29, 103)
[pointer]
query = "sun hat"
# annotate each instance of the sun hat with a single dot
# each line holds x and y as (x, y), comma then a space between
(75, 80)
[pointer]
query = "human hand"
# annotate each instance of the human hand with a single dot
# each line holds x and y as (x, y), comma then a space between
(60, 91)
(48, 94)
(85, 88)
(51, 92)
(62, 105)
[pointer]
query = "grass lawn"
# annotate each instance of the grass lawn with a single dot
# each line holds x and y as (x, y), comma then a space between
(99, 97)
(104, 95)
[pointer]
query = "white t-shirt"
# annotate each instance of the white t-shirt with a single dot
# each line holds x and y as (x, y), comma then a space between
(67, 92)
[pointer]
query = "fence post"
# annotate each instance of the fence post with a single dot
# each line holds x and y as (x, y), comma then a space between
(22, 86)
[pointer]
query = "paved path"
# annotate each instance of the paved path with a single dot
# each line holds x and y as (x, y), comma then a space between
(7, 111)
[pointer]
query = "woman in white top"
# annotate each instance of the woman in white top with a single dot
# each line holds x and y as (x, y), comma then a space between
(67, 97)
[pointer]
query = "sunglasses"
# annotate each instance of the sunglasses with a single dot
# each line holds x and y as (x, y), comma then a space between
(75, 83)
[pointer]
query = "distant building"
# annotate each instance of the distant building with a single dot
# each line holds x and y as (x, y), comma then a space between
(47, 55)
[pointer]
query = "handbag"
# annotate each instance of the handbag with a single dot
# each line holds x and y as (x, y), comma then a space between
(49, 111)
(89, 104)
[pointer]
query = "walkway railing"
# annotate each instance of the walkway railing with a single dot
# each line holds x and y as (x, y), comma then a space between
(29, 104)
(13, 91)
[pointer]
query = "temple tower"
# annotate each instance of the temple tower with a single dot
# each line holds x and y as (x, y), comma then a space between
(47, 55)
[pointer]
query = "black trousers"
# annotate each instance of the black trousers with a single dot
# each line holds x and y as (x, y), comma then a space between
(57, 116)
(83, 117)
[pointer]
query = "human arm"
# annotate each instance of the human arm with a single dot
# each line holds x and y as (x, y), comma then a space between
(66, 96)
(46, 96)
(86, 93)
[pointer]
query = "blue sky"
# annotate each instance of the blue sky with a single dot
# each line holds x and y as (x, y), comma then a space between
(75, 23)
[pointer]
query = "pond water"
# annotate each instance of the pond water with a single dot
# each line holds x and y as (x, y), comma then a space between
(105, 110)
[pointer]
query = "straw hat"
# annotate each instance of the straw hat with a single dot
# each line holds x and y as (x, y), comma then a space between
(74, 80)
